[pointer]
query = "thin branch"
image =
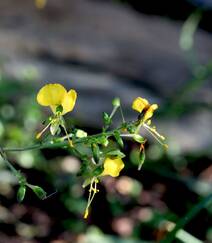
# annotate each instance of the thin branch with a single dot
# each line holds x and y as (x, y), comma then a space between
(7, 162)
(59, 144)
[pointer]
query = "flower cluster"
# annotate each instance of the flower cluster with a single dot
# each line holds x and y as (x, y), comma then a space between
(101, 159)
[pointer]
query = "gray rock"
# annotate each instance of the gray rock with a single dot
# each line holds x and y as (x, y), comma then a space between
(103, 50)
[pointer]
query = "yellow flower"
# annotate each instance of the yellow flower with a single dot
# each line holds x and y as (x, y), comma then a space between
(139, 104)
(55, 95)
(112, 167)
(61, 102)
(150, 111)
(142, 105)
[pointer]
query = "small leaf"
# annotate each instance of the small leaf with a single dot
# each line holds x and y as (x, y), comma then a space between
(106, 119)
(85, 169)
(103, 140)
(118, 139)
(98, 171)
(141, 159)
(138, 138)
(40, 193)
(21, 193)
(116, 153)
(95, 151)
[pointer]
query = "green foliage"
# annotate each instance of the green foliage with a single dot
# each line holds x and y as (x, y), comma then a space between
(39, 192)
(21, 193)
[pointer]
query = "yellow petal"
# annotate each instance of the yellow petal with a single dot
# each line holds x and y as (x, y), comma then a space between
(113, 167)
(69, 101)
(139, 104)
(51, 95)
(149, 113)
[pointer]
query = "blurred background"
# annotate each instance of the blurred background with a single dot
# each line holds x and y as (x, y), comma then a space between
(160, 50)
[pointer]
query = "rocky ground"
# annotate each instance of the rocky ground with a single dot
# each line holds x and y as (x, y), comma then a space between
(105, 50)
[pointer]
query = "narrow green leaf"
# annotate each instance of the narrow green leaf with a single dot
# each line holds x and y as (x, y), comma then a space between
(21, 193)
(98, 171)
(95, 151)
(116, 153)
(118, 139)
(84, 168)
(106, 119)
(141, 159)
(40, 193)
(138, 138)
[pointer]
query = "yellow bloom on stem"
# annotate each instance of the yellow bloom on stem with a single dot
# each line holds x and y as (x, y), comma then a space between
(139, 104)
(112, 167)
(55, 95)
(150, 111)
(61, 102)
(142, 105)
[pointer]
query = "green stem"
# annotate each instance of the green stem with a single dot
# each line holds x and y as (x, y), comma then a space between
(187, 218)
(60, 144)
(122, 114)
(15, 172)
(113, 111)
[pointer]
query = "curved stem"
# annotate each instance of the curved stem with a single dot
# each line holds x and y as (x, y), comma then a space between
(21, 178)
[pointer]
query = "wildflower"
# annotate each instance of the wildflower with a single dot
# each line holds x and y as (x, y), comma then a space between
(112, 167)
(143, 107)
(55, 95)
(60, 101)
